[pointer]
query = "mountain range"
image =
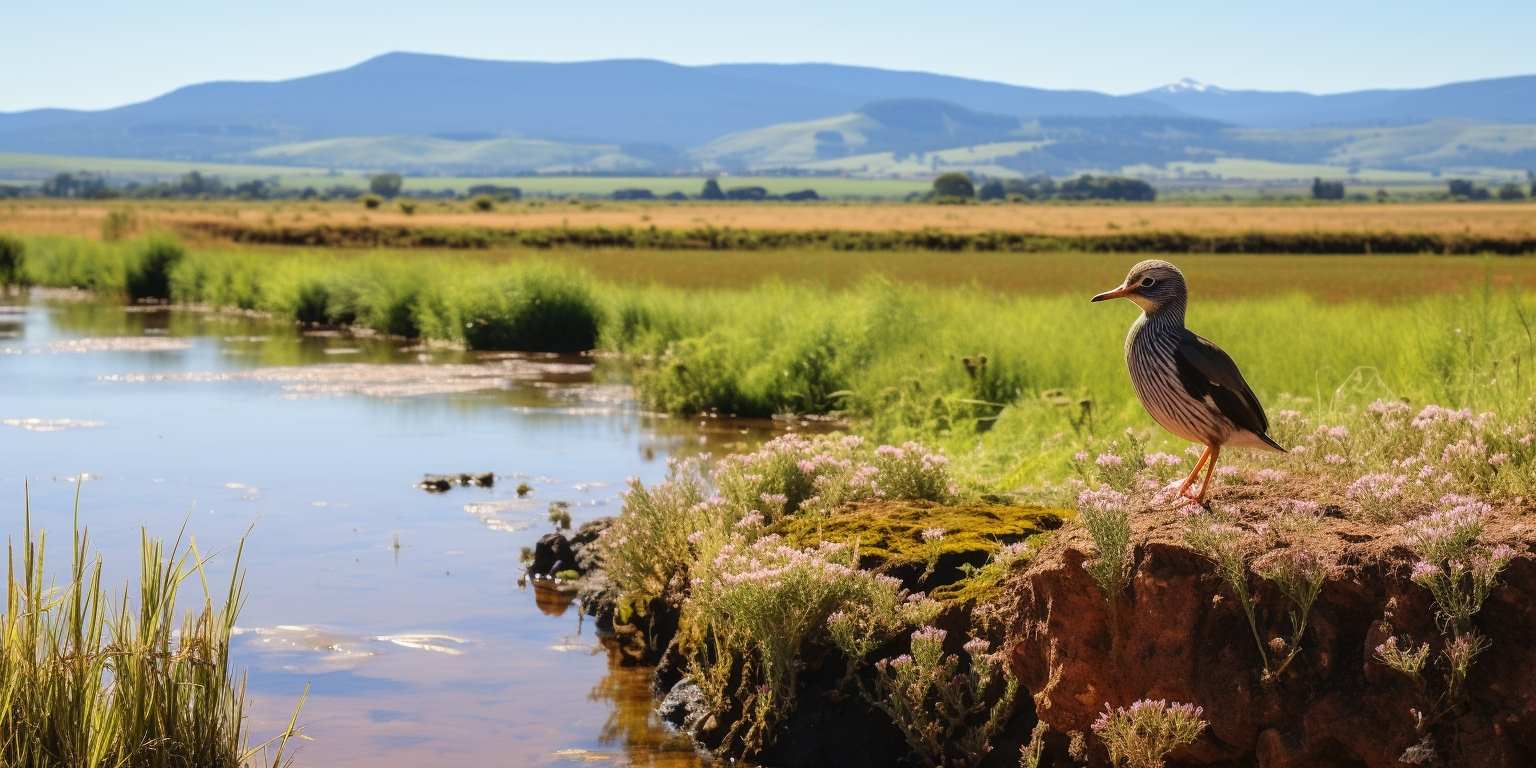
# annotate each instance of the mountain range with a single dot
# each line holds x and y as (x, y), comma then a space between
(433, 114)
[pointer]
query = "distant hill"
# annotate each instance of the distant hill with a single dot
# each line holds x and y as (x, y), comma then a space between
(440, 115)
(1500, 100)
(618, 102)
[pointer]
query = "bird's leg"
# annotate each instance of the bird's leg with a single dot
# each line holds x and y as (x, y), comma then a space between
(1209, 468)
(1183, 489)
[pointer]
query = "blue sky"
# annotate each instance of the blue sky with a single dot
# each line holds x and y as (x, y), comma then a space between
(97, 53)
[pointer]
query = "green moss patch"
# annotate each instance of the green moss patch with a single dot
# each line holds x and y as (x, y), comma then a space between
(889, 537)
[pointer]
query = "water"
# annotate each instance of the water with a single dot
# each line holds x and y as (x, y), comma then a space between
(401, 609)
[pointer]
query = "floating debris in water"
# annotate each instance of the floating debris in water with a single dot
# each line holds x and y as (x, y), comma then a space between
(343, 351)
(380, 379)
(444, 483)
(426, 642)
(337, 648)
(103, 344)
(495, 514)
(52, 425)
(581, 755)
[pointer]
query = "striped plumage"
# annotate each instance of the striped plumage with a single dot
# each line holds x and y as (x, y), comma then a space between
(1188, 385)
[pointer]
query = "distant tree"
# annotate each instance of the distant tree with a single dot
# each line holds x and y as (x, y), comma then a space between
(1466, 190)
(746, 193)
(676, 196)
(1327, 190)
(1511, 191)
(1530, 176)
(385, 184)
(633, 193)
(504, 194)
(711, 191)
(992, 190)
(1381, 195)
(83, 185)
(802, 194)
(954, 185)
(1033, 188)
(1089, 187)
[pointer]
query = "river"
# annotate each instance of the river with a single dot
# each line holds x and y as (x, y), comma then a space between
(402, 610)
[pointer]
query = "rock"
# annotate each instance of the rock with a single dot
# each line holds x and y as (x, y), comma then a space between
(584, 541)
(551, 555)
(684, 706)
(443, 483)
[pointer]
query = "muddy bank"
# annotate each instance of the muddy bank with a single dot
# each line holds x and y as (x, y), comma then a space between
(1178, 633)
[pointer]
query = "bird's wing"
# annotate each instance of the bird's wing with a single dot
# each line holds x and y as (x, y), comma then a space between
(1205, 370)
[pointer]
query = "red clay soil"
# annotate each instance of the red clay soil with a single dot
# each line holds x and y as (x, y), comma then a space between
(1179, 634)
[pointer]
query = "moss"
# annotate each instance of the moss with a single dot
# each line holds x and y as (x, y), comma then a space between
(889, 536)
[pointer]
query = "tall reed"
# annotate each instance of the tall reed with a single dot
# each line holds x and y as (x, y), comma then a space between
(90, 680)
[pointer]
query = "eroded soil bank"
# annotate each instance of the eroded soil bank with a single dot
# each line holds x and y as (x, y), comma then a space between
(1178, 633)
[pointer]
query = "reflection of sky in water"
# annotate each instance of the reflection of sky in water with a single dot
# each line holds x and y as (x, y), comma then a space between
(400, 608)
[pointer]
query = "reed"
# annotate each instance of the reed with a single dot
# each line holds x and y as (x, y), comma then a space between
(89, 679)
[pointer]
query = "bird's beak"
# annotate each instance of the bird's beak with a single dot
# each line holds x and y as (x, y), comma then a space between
(1123, 290)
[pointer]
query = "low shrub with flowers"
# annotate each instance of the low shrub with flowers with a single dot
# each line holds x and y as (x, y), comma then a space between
(1460, 571)
(755, 606)
(1143, 734)
(751, 600)
(665, 529)
(947, 714)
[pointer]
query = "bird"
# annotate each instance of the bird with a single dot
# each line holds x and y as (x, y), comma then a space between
(1187, 383)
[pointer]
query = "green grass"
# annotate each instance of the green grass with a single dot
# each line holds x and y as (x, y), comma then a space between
(905, 359)
(89, 680)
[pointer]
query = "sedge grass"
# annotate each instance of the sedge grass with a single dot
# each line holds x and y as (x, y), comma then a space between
(88, 680)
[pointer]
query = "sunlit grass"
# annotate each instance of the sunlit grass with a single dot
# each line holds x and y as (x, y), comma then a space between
(88, 680)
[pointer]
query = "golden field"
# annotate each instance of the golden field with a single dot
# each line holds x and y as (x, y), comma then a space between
(1503, 220)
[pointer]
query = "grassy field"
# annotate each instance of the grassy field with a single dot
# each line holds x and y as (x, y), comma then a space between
(898, 350)
(28, 168)
(1494, 220)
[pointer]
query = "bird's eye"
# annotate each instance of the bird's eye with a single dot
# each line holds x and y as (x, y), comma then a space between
(1147, 282)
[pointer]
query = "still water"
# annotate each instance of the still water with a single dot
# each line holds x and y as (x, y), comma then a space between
(402, 610)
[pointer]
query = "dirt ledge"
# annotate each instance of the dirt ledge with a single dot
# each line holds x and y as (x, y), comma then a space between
(1179, 634)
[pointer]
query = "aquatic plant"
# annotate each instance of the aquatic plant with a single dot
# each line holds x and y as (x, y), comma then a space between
(947, 714)
(1143, 734)
(90, 681)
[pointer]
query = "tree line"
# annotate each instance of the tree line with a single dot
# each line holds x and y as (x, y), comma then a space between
(959, 187)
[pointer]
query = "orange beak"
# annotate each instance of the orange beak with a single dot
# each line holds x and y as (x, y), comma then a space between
(1123, 290)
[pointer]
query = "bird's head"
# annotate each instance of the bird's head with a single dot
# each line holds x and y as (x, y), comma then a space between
(1151, 284)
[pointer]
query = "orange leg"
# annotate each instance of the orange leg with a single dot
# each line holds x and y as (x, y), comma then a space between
(1209, 468)
(1198, 466)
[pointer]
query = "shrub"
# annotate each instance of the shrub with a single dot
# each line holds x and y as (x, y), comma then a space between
(1142, 735)
(1105, 516)
(751, 610)
(148, 274)
(408, 209)
(483, 203)
(944, 712)
(117, 225)
(13, 261)
(372, 201)
(540, 309)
